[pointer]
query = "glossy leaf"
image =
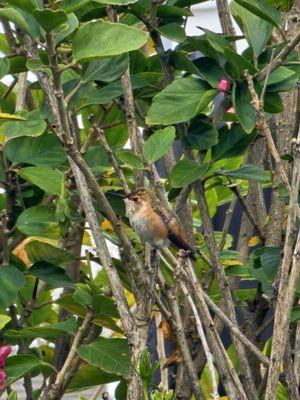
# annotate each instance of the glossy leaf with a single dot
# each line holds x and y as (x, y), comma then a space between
(11, 281)
(100, 39)
(247, 172)
(88, 376)
(262, 9)
(18, 366)
(22, 20)
(47, 179)
(256, 30)
(158, 144)
(104, 316)
(244, 110)
(61, 32)
(178, 102)
(44, 150)
(111, 355)
(173, 31)
(49, 331)
(130, 158)
(50, 19)
(38, 221)
(231, 142)
(106, 70)
(32, 126)
(40, 251)
(4, 67)
(51, 274)
(201, 135)
(185, 172)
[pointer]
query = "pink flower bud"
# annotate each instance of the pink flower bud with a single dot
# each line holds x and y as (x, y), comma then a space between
(223, 84)
(4, 353)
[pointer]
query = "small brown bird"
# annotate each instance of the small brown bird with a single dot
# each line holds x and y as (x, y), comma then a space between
(153, 222)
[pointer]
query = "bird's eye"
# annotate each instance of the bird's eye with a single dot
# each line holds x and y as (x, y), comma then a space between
(135, 198)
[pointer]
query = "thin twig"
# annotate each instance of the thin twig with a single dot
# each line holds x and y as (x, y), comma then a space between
(258, 106)
(228, 217)
(262, 97)
(55, 388)
(223, 284)
(248, 212)
(280, 58)
(161, 350)
(208, 354)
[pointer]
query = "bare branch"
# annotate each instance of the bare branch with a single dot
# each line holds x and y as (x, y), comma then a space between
(258, 106)
(278, 60)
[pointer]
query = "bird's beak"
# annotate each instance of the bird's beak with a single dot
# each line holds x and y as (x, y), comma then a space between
(128, 196)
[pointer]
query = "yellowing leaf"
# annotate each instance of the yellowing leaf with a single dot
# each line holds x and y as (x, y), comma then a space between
(232, 262)
(254, 241)
(86, 239)
(106, 225)
(11, 117)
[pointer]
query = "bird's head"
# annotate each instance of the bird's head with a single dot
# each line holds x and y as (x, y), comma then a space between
(139, 198)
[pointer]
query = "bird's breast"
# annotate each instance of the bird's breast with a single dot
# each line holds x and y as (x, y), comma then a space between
(149, 227)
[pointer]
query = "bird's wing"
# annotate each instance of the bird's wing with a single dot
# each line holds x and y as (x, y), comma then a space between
(175, 234)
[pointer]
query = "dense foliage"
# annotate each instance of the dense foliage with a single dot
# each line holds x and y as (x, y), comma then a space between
(82, 80)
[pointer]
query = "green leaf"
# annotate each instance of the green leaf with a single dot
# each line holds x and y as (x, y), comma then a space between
(262, 9)
(4, 67)
(209, 70)
(280, 74)
(26, 5)
(256, 30)
(158, 144)
(273, 103)
(111, 91)
(48, 332)
(35, 64)
(244, 110)
(22, 20)
(82, 294)
(33, 126)
(165, 11)
(18, 366)
(88, 376)
(61, 32)
(130, 158)
(247, 172)
(11, 281)
(11, 117)
(45, 150)
(105, 311)
(185, 172)
(100, 39)
(50, 19)
(115, 2)
(38, 221)
(232, 142)
(111, 355)
(270, 260)
(4, 319)
(40, 251)
(178, 102)
(51, 274)
(106, 70)
(238, 63)
(121, 390)
(47, 179)
(173, 31)
(201, 135)
(13, 395)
